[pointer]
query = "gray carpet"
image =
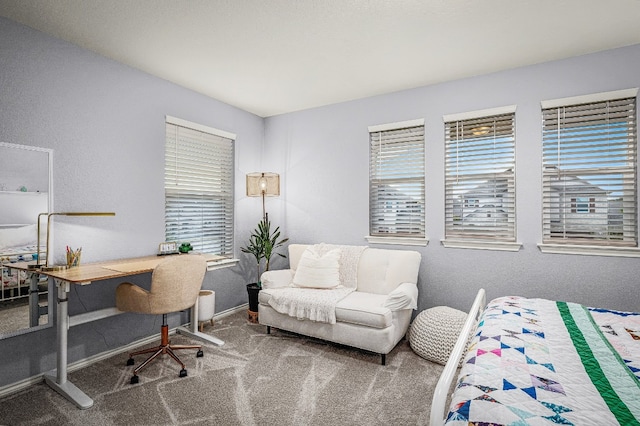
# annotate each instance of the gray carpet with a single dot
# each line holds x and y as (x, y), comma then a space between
(254, 379)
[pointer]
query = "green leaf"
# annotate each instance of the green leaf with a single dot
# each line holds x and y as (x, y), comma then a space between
(263, 244)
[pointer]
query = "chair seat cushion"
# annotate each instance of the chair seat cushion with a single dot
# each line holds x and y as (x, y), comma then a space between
(434, 332)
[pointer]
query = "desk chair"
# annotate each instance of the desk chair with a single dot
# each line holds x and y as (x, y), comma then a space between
(175, 285)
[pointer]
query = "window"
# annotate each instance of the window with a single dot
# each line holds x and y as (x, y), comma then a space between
(480, 179)
(583, 205)
(199, 186)
(589, 170)
(397, 182)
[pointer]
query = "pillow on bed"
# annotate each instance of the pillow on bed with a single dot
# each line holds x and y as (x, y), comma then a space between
(18, 237)
(316, 271)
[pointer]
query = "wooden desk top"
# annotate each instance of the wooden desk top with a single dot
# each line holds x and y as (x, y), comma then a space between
(86, 273)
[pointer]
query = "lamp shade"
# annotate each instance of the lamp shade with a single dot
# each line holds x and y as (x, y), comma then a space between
(263, 184)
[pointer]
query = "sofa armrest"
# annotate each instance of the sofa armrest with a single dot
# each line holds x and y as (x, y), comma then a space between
(405, 296)
(278, 278)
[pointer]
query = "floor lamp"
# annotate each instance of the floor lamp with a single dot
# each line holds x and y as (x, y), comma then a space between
(263, 184)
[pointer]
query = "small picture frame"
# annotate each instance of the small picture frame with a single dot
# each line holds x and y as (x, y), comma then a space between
(167, 248)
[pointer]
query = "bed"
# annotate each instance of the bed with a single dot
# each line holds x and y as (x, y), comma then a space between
(18, 237)
(537, 361)
(15, 246)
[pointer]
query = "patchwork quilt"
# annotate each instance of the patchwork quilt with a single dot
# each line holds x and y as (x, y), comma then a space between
(541, 362)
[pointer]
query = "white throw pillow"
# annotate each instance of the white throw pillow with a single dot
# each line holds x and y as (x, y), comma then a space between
(315, 271)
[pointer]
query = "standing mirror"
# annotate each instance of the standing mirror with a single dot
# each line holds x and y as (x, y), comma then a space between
(25, 192)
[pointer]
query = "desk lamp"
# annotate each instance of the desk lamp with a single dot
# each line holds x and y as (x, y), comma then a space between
(37, 265)
(46, 265)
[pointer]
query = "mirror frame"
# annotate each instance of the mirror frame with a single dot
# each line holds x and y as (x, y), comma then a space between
(50, 287)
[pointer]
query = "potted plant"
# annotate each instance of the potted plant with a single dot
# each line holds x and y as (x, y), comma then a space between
(262, 245)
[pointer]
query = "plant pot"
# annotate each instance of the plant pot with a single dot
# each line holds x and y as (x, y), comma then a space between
(253, 290)
(206, 307)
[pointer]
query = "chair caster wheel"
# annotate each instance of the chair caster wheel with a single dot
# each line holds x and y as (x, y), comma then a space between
(200, 354)
(130, 362)
(183, 373)
(134, 380)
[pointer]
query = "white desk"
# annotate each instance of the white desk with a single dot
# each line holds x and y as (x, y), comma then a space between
(84, 275)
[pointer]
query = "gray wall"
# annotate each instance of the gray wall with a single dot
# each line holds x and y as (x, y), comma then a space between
(323, 156)
(105, 123)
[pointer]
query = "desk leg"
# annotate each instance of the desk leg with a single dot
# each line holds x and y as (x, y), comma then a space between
(58, 379)
(34, 306)
(193, 332)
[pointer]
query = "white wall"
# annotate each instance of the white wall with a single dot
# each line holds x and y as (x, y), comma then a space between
(323, 157)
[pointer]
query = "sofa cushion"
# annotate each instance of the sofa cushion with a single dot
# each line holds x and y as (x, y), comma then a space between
(380, 271)
(364, 309)
(318, 271)
(357, 308)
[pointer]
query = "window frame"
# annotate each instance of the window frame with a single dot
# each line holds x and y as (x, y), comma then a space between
(223, 185)
(603, 247)
(376, 182)
(480, 240)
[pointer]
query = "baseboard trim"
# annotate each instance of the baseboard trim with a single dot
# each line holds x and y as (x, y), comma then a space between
(30, 381)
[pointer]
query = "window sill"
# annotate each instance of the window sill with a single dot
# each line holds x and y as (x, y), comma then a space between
(400, 241)
(482, 245)
(212, 265)
(589, 250)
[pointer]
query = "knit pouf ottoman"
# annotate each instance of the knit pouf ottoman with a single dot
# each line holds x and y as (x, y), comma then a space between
(434, 332)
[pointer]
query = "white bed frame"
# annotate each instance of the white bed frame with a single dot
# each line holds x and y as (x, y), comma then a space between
(438, 404)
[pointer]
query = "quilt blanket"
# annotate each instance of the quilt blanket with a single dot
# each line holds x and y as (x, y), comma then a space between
(540, 362)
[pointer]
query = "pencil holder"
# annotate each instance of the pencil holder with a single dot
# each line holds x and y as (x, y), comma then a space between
(73, 257)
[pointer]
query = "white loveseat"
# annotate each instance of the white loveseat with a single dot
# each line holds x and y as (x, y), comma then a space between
(374, 316)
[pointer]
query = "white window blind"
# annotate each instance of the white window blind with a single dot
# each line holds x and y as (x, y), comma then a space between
(480, 178)
(589, 173)
(199, 187)
(397, 180)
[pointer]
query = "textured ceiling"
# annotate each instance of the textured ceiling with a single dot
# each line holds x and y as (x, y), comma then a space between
(273, 57)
